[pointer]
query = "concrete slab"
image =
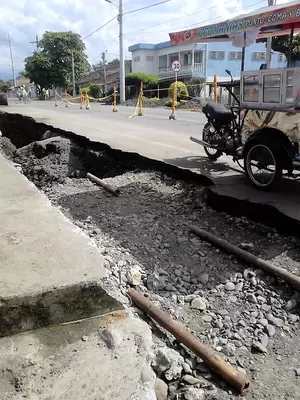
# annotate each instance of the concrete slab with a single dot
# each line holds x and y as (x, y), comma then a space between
(46, 262)
(96, 359)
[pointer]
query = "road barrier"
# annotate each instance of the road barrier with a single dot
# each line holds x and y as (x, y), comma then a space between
(135, 112)
(115, 100)
(67, 99)
(140, 113)
(215, 84)
(83, 99)
(174, 101)
(87, 102)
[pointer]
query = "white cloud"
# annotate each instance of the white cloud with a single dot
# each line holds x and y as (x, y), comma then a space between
(24, 19)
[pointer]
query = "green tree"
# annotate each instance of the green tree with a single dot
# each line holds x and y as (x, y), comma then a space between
(38, 69)
(182, 92)
(94, 90)
(52, 64)
(281, 44)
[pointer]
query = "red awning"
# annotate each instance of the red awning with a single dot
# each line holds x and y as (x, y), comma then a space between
(269, 21)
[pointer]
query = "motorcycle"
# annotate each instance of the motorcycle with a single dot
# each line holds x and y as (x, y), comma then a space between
(266, 153)
(222, 132)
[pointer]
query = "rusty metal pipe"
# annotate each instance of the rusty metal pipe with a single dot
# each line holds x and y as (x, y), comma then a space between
(106, 186)
(235, 378)
(247, 257)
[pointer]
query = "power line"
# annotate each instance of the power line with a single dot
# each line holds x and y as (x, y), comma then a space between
(144, 8)
(187, 26)
(108, 22)
(128, 12)
(183, 16)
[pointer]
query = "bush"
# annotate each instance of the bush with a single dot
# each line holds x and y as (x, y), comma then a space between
(135, 78)
(182, 92)
(154, 99)
(4, 87)
(169, 103)
(94, 90)
(85, 91)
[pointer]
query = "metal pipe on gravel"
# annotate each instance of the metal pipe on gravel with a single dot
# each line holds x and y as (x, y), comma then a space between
(105, 185)
(235, 378)
(249, 258)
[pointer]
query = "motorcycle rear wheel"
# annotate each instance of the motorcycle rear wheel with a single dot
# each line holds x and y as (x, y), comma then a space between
(208, 131)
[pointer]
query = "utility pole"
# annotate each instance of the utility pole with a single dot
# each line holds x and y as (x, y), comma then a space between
(269, 40)
(36, 43)
(12, 62)
(73, 74)
(104, 69)
(122, 66)
(121, 40)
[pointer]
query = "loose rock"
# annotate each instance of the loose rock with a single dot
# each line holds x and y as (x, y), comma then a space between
(187, 368)
(251, 298)
(290, 305)
(229, 350)
(190, 380)
(198, 304)
(161, 389)
(270, 330)
(190, 393)
(259, 347)
(229, 286)
(134, 276)
(264, 340)
(169, 362)
(203, 278)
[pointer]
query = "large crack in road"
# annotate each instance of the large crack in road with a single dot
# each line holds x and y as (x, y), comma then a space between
(251, 319)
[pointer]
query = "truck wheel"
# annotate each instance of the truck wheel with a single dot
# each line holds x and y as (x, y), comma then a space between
(207, 136)
(262, 166)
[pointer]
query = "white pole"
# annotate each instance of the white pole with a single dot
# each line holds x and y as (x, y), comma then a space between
(122, 66)
(176, 87)
(73, 74)
(12, 62)
(269, 40)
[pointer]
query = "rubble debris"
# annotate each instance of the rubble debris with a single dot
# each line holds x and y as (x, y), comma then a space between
(147, 227)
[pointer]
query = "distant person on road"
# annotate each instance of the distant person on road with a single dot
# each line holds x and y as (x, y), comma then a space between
(29, 92)
(23, 93)
(46, 93)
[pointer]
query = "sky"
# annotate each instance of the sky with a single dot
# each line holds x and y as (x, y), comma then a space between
(23, 20)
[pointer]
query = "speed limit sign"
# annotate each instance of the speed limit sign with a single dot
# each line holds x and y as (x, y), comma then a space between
(176, 66)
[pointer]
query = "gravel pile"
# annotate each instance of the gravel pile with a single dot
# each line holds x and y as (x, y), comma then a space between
(146, 102)
(6, 147)
(50, 160)
(250, 319)
(195, 104)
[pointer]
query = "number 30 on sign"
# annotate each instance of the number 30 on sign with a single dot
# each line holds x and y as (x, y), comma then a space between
(176, 66)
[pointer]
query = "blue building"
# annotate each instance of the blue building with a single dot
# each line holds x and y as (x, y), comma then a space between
(200, 60)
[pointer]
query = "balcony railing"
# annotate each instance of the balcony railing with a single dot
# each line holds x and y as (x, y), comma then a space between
(186, 69)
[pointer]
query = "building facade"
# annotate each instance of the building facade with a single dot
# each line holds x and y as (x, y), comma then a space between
(200, 60)
(107, 77)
